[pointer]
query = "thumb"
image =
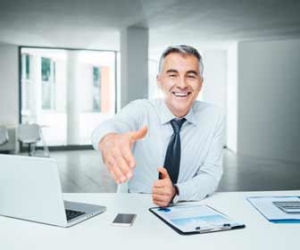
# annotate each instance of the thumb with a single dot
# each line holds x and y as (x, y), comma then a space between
(163, 173)
(137, 135)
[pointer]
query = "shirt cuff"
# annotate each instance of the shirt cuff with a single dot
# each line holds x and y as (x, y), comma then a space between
(98, 134)
(176, 196)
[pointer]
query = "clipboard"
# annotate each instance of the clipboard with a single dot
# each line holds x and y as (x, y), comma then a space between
(189, 219)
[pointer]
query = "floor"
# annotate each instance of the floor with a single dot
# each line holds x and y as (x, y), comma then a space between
(83, 172)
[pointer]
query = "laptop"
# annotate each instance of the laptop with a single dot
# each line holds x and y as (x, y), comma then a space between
(30, 190)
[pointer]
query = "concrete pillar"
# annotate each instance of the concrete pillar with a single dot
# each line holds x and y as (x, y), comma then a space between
(35, 89)
(134, 64)
(73, 106)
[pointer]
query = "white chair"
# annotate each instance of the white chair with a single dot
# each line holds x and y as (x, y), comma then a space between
(31, 134)
(4, 138)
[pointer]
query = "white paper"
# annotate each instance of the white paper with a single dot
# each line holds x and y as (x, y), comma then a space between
(191, 218)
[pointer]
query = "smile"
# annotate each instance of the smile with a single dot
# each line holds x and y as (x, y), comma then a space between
(181, 94)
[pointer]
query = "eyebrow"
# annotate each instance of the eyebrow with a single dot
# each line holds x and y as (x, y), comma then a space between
(172, 71)
(187, 73)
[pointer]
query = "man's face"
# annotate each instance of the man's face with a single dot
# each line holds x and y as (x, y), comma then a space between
(180, 82)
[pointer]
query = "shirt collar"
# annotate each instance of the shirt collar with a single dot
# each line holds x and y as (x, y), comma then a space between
(166, 115)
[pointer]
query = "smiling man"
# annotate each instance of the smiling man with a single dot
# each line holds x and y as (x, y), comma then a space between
(170, 147)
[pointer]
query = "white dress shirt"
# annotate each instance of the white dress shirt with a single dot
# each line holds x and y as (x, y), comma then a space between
(201, 163)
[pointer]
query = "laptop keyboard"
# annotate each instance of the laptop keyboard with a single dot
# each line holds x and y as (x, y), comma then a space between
(71, 214)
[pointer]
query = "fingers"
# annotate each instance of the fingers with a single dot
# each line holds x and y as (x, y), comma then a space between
(140, 134)
(162, 198)
(122, 169)
(115, 173)
(128, 156)
(162, 190)
(124, 161)
(161, 187)
(117, 155)
(117, 168)
(163, 173)
(161, 201)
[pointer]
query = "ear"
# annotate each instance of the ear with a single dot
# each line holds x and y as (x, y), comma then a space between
(201, 82)
(158, 80)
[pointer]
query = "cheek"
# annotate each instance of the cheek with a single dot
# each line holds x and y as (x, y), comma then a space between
(198, 87)
(167, 85)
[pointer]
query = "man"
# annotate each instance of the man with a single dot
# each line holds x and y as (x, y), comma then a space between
(136, 143)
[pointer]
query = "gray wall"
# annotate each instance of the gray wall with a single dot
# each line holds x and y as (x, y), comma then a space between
(9, 85)
(269, 99)
(231, 98)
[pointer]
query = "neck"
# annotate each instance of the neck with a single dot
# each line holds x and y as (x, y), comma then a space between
(178, 114)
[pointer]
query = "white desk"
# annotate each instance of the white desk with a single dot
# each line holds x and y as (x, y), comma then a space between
(148, 232)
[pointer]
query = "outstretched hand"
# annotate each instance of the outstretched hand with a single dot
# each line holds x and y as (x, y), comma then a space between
(163, 190)
(117, 154)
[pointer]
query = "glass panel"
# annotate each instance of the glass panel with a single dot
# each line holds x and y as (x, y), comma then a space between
(25, 84)
(27, 66)
(96, 89)
(46, 64)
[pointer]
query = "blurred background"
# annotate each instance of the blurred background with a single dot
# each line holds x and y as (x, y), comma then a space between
(69, 65)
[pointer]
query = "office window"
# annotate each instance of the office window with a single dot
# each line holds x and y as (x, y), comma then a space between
(67, 90)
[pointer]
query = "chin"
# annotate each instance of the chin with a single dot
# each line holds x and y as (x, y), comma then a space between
(181, 111)
(179, 107)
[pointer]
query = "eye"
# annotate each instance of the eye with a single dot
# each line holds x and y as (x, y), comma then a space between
(172, 75)
(191, 76)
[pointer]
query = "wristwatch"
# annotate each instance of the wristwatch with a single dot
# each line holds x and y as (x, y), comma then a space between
(176, 196)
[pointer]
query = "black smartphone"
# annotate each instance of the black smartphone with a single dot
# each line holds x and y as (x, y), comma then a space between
(124, 220)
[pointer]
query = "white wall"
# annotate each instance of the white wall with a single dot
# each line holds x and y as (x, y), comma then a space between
(215, 73)
(9, 85)
(214, 85)
(269, 99)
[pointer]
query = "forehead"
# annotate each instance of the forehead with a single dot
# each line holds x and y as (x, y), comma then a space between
(180, 62)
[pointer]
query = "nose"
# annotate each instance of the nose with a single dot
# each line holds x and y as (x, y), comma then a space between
(182, 82)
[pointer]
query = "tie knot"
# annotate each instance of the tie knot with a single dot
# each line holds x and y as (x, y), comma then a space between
(176, 124)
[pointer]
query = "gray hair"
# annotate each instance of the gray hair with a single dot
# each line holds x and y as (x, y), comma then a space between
(182, 49)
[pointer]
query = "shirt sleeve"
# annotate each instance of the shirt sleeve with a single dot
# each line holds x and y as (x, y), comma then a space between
(206, 181)
(127, 119)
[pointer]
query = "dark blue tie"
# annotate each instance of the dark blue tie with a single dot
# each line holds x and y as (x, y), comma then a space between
(172, 159)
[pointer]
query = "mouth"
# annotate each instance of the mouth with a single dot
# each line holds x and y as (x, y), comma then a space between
(181, 94)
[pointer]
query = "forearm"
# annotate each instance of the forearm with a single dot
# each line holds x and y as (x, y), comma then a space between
(201, 186)
(124, 121)
(101, 131)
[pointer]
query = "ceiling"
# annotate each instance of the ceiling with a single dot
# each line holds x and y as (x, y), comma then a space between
(97, 23)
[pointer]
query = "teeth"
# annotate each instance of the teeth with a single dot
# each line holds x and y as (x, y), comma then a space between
(180, 94)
